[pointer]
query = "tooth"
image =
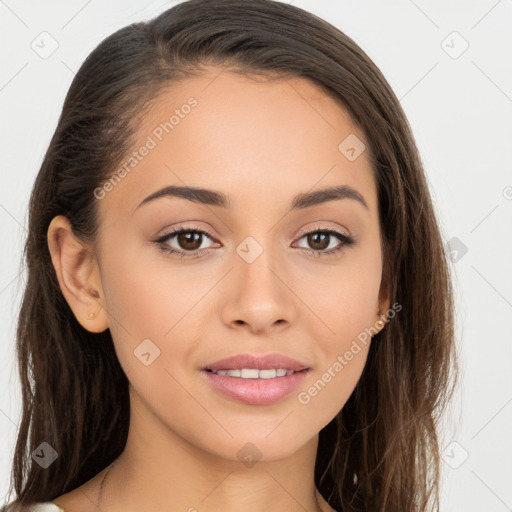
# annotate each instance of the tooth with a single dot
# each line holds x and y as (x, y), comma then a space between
(253, 373)
(247, 373)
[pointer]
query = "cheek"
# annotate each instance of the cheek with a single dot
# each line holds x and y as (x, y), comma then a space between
(147, 293)
(331, 387)
(347, 311)
(344, 299)
(343, 296)
(149, 297)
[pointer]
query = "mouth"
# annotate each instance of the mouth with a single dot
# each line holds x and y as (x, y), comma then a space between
(251, 386)
(256, 379)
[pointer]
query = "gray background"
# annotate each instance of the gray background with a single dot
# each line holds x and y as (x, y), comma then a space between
(459, 103)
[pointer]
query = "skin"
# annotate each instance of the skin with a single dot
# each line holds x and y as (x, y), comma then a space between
(260, 143)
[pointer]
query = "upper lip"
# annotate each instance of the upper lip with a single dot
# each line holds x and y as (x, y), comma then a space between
(266, 362)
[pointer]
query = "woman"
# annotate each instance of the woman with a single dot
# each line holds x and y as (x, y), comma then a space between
(237, 292)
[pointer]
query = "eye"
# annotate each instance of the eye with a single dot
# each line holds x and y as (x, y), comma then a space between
(189, 241)
(320, 242)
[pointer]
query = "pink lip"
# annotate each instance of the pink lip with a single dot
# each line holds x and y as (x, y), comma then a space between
(255, 391)
(269, 361)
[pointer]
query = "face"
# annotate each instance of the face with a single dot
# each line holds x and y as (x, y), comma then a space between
(257, 275)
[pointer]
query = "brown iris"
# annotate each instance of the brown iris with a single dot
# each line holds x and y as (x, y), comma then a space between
(313, 240)
(190, 240)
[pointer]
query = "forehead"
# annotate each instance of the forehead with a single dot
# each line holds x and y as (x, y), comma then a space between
(253, 138)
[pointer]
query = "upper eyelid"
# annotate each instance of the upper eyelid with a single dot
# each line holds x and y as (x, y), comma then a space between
(324, 227)
(332, 231)
(174, 231)
(313, 229)
(204, 231)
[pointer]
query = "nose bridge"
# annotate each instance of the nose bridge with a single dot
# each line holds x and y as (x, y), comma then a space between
(256, 261)
(257, 295)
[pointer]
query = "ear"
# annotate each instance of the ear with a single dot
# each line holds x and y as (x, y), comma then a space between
(383, 303)
(78, 275)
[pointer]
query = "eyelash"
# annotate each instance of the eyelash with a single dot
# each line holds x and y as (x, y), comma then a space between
(161, 242)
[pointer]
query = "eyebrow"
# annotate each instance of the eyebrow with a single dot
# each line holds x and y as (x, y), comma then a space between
(214, 198)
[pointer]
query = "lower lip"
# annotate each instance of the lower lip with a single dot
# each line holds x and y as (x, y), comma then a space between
(256, 391)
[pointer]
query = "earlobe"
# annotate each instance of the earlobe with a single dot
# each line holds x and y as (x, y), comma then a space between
(383, 304)
(381, 321)
(78, 275)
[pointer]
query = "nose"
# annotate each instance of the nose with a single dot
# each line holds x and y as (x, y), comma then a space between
(259, 297)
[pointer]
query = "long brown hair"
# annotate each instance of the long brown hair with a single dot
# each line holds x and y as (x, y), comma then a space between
(381, 452)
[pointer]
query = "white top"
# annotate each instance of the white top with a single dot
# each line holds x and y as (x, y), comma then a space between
(46, 506)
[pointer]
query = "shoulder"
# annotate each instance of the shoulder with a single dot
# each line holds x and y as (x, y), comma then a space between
(77, 500)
